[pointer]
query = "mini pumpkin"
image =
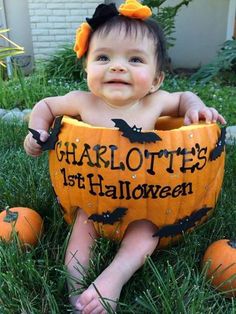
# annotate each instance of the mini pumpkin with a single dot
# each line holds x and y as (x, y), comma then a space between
(220, 257)
(171, 176)
(26, 222)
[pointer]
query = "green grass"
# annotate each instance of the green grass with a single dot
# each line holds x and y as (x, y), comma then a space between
(172, 281)
(214, 94)
(24, 92)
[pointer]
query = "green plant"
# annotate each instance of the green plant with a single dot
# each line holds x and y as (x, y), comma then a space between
(9, 51)
(224, 61)
(166, 16)
(64, 64)
(24, 91)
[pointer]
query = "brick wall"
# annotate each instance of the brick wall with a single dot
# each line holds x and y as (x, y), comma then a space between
(53, 23)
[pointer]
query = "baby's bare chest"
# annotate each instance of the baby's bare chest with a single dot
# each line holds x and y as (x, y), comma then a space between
(142, 118)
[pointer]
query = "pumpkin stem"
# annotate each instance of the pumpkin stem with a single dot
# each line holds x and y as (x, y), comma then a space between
(10, 216)
(232, 243)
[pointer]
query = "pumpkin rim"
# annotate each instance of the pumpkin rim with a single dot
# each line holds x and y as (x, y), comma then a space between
(200, 125)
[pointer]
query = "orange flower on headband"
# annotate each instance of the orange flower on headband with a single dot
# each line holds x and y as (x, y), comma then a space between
(82, 39)
(134, 9)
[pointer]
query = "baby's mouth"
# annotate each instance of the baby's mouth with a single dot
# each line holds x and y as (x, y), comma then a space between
(117, 82)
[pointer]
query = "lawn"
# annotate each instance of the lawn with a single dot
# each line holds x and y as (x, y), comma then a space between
(171, 281)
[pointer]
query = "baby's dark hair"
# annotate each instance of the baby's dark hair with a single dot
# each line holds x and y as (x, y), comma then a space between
(149, 28)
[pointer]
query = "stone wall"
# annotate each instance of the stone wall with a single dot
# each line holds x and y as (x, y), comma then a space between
(53, 23)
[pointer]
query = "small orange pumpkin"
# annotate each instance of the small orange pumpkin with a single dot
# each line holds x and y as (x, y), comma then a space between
(26, 222)
(173, 179)
(220, 257)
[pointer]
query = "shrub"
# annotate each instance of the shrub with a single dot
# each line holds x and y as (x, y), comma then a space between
(166, 16)
(224, 61)
(64, 64)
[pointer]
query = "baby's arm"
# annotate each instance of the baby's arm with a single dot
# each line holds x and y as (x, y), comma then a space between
(189, 106)
(43, 115)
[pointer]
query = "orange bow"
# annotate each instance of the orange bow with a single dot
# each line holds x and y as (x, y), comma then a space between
(82, 39)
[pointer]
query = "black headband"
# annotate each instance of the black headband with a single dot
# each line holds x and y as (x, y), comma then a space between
(102, 13)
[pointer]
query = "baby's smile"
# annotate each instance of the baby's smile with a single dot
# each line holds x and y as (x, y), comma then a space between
(117, 82)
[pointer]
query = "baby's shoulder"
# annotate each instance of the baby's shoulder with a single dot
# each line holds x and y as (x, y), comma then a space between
(77, 95)
(156, 99)
(80, 98)
(162, 98)
(160, 94)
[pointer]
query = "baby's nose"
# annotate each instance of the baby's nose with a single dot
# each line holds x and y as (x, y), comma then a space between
(117, 68)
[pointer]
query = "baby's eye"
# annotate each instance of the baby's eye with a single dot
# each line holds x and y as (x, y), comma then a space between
(136, 60)
(102, 58)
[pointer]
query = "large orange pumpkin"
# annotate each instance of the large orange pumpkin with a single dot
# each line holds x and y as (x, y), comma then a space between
(26, 222)
(173, 179)
(220, 257)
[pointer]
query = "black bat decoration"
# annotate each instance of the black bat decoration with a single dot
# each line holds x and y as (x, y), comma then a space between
(183, 224)
(53, 137)
(220, 145)
(109, 218)
(134, 134)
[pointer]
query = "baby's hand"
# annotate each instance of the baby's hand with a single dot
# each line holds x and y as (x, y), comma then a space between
(32, 148)
(209, 114)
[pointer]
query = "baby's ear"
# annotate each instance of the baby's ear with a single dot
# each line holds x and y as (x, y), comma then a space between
(157, 82)
(84, 64)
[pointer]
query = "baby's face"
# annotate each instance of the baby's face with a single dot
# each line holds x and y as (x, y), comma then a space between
(121, 69)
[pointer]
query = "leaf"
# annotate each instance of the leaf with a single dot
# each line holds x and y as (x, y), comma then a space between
(225, 60)
(8, 51)
(165, 16)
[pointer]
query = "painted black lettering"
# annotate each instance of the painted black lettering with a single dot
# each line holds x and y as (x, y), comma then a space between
(165, 192)
(93, 184)
(111, 191)
(100, 150)
(177, 191)
(59, 153)
(148, 154)
(151, 191)
(187, 188)
(63, 171)
(124, 190)
(86, 154)
(202, 157)
(80, 181)
(121, 166)
(137, 192)
(186, 160)
(138, 159)
(70, 153)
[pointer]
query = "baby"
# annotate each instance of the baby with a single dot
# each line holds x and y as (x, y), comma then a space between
(124, 55)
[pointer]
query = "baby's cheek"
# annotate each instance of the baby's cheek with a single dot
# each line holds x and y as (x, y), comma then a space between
(143, 80)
